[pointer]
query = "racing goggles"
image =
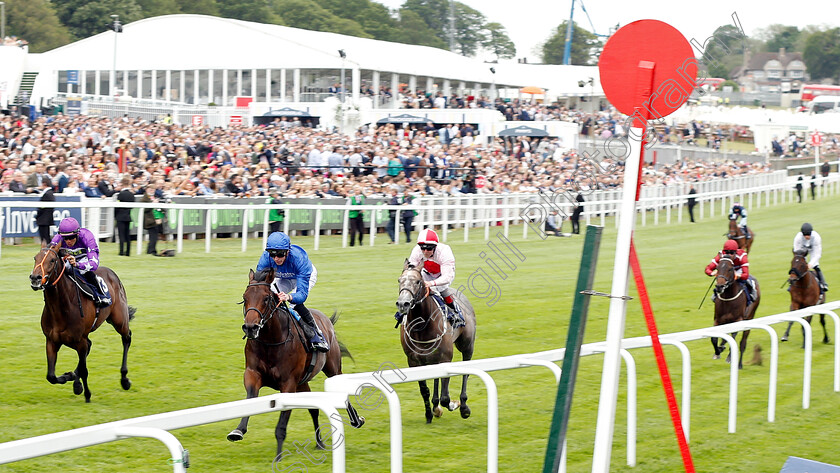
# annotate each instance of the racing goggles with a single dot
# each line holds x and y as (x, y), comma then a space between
(278, 253)
(428, 247)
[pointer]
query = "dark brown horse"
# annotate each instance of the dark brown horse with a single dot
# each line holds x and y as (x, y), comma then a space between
(731, 305)
(69, 317)
(428, 339)
(276, 354)
(735, 233)
(804, 292)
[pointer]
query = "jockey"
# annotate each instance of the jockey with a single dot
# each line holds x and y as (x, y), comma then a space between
(738, 210)
(809, 241)
(82, 253)
(740, 264)
(294, 276)
(438, 263)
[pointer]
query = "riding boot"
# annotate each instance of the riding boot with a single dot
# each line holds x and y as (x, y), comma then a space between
(317, 340)
(823, 285)
(98, 300)
(458, 319)
(746, 232)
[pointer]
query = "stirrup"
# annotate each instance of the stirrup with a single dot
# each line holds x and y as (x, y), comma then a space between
(319, 343)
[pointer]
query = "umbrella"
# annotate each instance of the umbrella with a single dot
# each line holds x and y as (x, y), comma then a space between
(524, 130)
(531, 90)
(403, 118)
(288, 112)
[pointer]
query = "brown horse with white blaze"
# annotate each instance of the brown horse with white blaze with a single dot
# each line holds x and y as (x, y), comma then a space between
(68, 318)
(276, 355)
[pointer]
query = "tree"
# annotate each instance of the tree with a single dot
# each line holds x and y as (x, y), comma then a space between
(258, 11)
(725, 52)
(498, 42)
(782, 37)
(585, 46)
(308, 15)
(85, 18)
(42, 35)
(374, 18)
(198, 7)
(413, 30)
(469, 29)
(822, 54)
(152, 8)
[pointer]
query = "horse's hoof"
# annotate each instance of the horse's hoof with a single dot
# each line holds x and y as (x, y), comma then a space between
(784, 338)
(716, 357)
(454, 405)
(77, 387)
(236, 435)
(125, 383)
(361, 422)
(826, 340)
(465, 412)
(438, 411)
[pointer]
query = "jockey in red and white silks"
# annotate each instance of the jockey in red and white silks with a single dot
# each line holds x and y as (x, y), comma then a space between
(438, 265)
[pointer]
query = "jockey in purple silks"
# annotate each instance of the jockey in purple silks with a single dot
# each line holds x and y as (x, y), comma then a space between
(82, 252)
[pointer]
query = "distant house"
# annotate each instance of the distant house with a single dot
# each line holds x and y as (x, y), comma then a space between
(771, 72)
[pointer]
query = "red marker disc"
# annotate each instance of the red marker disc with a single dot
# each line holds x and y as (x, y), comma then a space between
(628, 86)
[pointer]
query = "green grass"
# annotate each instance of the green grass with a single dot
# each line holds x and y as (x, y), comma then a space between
(187, 352)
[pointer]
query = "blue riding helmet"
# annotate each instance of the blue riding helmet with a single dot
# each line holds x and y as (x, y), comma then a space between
(278, 241)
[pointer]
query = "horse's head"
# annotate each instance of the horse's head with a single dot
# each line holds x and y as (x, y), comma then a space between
(259, 302)
(725, 274)
(49, 267)
(412, 288)
(798, 266)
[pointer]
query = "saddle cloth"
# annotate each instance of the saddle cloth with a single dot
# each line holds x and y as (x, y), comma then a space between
(456, 319)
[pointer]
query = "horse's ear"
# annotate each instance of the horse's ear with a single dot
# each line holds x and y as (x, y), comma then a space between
(250, 274)
(406, 265)
(269, 275)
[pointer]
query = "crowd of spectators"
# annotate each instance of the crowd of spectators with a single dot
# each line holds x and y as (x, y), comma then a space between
(14, 41)
(77, 155)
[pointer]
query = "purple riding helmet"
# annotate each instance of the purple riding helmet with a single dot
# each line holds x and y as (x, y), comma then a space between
(68, 227)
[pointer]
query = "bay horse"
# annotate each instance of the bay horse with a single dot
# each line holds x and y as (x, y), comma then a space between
(276, 355)
(731, 306)
(804, 292)
(735, 233)
(68, 318)
(428, 339)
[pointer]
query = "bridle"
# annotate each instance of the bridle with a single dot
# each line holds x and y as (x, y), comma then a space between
(719, 289)
(45, 275)
(415, 296)
(794, 270)
(270, 300)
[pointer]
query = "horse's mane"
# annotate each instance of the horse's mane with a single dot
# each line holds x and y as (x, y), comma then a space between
(802, 253)
(260, 275)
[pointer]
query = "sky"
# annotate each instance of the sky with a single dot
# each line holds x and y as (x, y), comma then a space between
(530, 22)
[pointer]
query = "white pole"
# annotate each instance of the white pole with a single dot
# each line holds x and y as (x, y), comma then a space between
(618, 305)
(180, 243)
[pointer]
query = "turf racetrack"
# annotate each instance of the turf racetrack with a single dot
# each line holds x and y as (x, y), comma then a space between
(187, 351)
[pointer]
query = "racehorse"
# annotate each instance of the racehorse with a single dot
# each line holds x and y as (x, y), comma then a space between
(731, 305)
(804, 292)
(276, 355)
(735, 233)
(68, 318)
(427, 338)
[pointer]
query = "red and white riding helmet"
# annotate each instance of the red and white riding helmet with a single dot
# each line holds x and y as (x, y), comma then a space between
(428, 237)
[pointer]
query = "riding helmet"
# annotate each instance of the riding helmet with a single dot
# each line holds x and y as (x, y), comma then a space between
(807, 229)
(69, 226)
(730, 245)
(278, 241)
(428, 237)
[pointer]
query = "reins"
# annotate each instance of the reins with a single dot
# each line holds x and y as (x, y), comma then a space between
(265, 318)
(45, 273)
(414, 302)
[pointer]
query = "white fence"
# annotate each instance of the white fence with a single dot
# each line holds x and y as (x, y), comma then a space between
(339, 388)
(662, 204)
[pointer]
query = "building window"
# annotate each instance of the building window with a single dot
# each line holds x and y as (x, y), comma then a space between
(104, 82)
(774, 74)
(62, 81)
(795, 74)
(758, 74)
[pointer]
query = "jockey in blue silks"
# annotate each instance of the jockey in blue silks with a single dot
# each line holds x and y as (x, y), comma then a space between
(294, 276)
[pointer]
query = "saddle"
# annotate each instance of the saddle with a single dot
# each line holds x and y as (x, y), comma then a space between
(455, 319)
(304, 338)
(93, 287)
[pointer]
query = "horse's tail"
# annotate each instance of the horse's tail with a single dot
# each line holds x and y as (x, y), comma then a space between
(131, 311)
(334, 317)
(345, 352)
